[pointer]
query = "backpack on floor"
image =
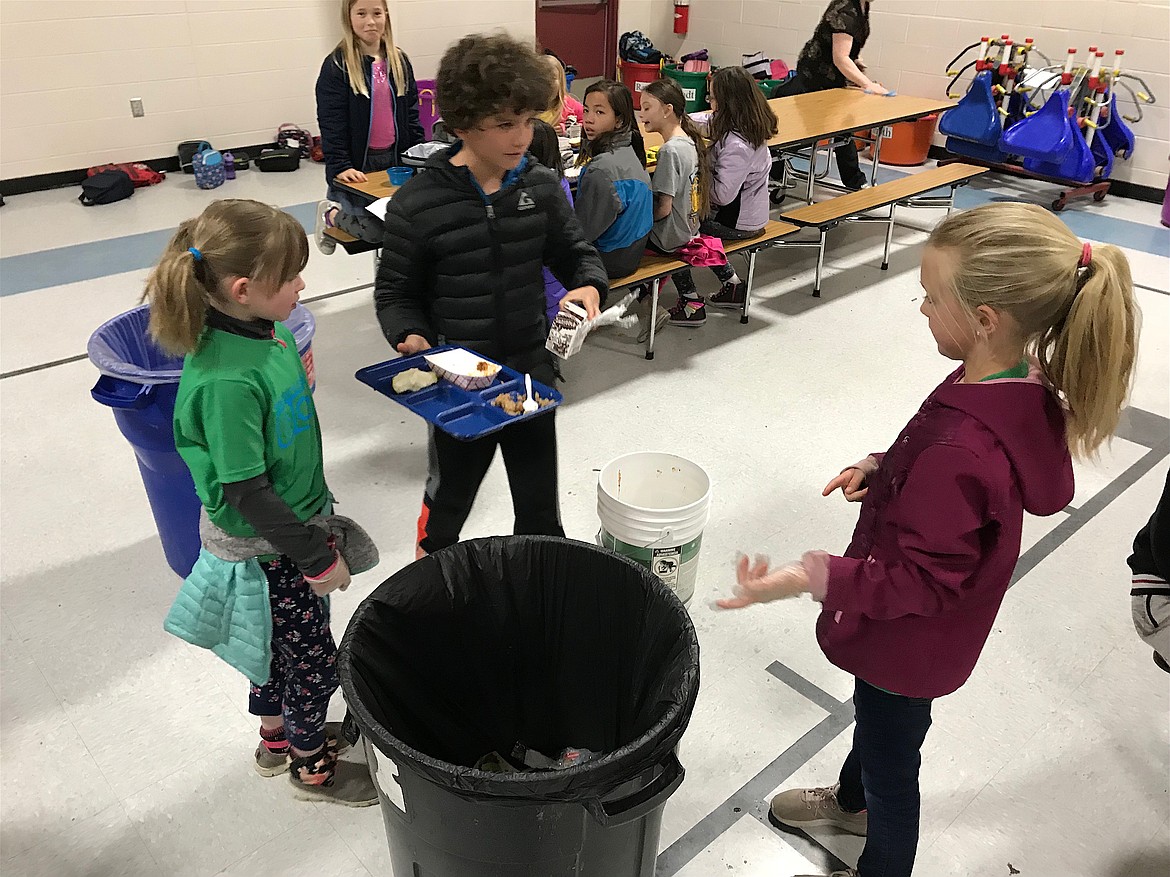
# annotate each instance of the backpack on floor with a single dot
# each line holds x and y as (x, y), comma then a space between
(293, 136)
(187, 150)
(106, 187)
(210, 172)
(140, 175)
(284, 159)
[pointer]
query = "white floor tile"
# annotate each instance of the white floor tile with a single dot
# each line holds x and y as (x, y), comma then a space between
(313, 850)
(102, 845)
(215, 811)
(748, 849)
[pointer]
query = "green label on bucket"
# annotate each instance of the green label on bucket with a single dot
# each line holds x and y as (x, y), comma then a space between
(676, 565)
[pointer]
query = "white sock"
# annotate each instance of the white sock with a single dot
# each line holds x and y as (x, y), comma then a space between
(734, 278)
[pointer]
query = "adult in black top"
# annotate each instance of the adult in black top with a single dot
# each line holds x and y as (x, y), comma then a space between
(832, 59)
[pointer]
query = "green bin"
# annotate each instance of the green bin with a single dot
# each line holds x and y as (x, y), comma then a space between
(693, 85)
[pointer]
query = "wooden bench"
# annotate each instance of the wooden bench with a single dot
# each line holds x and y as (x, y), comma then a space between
(825, 215)
(654, 267)
(349, 243)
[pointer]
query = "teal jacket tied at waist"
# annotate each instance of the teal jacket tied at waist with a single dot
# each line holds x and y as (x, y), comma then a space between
(223, 606)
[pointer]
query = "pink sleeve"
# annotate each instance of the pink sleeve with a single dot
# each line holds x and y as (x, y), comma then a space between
(572, 107)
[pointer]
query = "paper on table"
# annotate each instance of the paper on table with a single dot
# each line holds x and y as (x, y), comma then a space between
(378, 208)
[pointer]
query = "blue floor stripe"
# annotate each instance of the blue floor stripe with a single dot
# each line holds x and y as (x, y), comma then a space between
(88, 261)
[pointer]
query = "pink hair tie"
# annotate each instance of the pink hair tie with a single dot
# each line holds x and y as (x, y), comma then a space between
(1086, 256)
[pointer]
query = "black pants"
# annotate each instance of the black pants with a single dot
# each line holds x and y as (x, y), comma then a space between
(304, 658)
(353, 218)
(725, 223)
(881, 776)
(684, 281)
(456, 469)
(846, 153)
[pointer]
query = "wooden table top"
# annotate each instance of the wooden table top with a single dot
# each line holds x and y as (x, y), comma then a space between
(803, 118)
(377, 185)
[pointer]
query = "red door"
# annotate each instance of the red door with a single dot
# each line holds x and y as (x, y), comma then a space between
(581, 33)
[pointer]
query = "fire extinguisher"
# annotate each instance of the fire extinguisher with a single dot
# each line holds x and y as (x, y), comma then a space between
(682, 15)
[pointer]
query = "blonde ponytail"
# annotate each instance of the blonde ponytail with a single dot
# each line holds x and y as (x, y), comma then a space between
(230, 239)
(1089, 357)
(178, 299)
(1079, 322)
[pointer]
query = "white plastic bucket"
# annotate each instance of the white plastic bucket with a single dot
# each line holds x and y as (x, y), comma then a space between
(653, 509)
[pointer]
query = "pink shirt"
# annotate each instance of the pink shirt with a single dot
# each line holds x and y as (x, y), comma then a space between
(573, 108)
(382, 132)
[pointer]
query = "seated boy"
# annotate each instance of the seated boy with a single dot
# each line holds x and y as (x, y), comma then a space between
(466, 239)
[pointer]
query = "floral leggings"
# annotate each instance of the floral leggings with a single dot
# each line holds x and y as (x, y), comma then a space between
(304, 658)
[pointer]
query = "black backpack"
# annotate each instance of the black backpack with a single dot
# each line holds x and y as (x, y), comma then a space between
(635, 47)
(106, 188)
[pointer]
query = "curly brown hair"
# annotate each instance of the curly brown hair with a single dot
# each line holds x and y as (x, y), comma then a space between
(485, 74)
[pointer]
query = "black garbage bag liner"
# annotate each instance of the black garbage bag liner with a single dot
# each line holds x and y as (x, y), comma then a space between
(536, 639)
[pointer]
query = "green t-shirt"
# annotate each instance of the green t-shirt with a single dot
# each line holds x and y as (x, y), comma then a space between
(1019, 371)
(244, 408)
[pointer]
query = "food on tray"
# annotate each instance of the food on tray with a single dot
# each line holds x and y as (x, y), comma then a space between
(463, 368)
(413, 379)
(513, 403)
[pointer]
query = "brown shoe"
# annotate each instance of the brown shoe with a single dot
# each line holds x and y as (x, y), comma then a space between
(272, 764)
(809, 808)
(322, 777)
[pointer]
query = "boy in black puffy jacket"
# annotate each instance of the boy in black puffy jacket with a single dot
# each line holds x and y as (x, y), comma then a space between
(466, 240)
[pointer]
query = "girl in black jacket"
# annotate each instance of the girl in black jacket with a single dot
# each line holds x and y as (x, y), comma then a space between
(367, 109)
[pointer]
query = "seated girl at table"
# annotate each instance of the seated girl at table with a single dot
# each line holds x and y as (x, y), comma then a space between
(741, 125)
(682, 195)
(367, 109)
(566, 109)
(614, 200)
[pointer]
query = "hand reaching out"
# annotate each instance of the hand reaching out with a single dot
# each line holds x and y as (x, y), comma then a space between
(755, 583)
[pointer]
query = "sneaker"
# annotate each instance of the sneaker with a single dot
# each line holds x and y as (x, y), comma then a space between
(271, 764)
(321, 777)
(325, 244)
(688, 313)
(809, 808)
(848, 872)
(660, 319)
(730, 295)
(856, 186)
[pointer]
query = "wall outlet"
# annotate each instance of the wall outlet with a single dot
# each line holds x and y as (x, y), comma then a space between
(136, 107)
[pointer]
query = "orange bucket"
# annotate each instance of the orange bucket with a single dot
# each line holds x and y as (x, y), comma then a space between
(910, 142)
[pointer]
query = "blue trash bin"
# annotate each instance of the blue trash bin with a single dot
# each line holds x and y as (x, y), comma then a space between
(140, 382)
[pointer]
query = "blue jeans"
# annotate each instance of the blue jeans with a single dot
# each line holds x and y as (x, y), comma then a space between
(881, 776)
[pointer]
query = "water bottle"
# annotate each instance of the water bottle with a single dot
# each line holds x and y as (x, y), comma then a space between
(229, 166)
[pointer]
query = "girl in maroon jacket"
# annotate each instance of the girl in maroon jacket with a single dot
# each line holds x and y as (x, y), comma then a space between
(1044, 326)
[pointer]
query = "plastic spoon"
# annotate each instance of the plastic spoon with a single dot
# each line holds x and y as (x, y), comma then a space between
(530, 404)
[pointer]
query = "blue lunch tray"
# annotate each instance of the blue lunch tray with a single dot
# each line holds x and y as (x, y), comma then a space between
(463, 414)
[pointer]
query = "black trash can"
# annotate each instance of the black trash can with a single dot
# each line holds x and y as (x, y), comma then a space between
(525, 639)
